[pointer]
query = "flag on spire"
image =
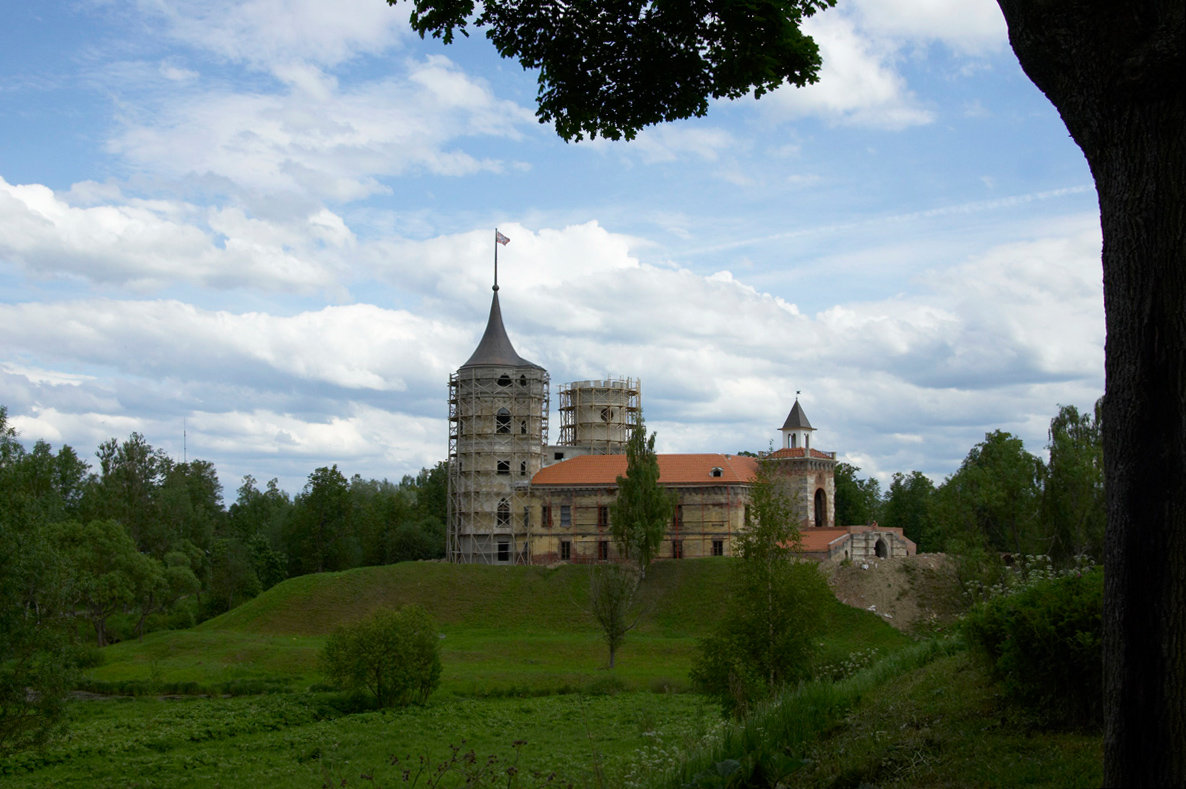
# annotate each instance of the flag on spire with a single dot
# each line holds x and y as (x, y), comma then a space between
(499, 238)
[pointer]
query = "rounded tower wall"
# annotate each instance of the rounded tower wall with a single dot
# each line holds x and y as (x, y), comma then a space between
(498, 427)
(599, 414)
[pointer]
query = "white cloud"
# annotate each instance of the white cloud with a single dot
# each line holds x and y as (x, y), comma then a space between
(353, 347)
(94, 233)
(267, 32)
(676, 142)
(858, 83)
(970, 27)
(901, 383)
(322, 140)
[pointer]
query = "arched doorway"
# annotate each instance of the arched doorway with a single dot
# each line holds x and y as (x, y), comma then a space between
(881, 549)
(821, 507)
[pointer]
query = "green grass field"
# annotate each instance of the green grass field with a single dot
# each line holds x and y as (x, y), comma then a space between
(525, 699)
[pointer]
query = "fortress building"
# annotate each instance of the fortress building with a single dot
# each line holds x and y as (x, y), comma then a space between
(514, 499)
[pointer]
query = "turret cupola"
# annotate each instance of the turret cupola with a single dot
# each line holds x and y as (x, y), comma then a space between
(796, 431)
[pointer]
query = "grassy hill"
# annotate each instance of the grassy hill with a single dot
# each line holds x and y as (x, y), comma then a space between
(516, 641)
(505, 629)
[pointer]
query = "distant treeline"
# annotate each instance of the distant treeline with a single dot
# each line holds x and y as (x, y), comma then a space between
(140, 541)
(1001, 500)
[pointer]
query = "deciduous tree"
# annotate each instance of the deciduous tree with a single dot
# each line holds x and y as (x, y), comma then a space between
(858, 501)
(1074, 511)
(104, 571)
(909, 503)
(992, 499)
(612, 591)
(642, 510)
(393, 655)
(36, 657)
(768, 635)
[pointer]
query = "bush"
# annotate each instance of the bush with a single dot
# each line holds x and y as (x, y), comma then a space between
(393, 655)
(768, 639)
(1043, 645)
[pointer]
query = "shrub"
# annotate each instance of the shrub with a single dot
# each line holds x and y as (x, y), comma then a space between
(1043, 645)
(393, 655)
(767, 640)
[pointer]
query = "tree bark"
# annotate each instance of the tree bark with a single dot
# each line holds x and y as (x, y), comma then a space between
(1114, 71)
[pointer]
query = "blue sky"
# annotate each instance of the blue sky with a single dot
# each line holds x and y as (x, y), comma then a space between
(271, 223)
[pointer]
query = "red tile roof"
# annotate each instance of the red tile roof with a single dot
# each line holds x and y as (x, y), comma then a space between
(799, 452)
(674, 470)
(818, 539)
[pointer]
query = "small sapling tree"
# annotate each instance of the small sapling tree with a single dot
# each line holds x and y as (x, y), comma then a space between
(640, 513)
(767, 638)
(392, 655)
(612, 598)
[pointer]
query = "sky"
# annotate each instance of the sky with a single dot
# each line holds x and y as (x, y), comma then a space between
(260, 233)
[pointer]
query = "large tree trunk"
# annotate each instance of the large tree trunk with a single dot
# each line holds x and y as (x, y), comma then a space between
(1115, 72)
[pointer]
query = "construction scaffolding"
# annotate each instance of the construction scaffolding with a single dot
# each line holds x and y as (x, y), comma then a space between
(498, 426)
(599, 414)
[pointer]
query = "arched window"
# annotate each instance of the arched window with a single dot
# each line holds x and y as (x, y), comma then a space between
(821, 507)
(504, 513)
(523, 380)
(523, 427)
(502, 421)
(504, 380)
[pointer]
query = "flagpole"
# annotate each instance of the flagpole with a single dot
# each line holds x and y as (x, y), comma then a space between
(496, 260)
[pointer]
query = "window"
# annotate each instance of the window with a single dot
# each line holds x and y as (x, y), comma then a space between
(718, 547)
(677, 549)
(565, 550)
(502, 421)
(602, 517)
(677, 517)
(504, 513)
(557, 456)
(606, 414)
(504, 551)
(602, 550)
(504, 467)
(716, 471)
(565, 515)
(523, 468)
(526, 519)
(504, 380)
(545, 515)
(522, 380)
(523, 427)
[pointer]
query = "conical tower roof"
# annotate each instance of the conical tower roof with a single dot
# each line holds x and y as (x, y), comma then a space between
(796, 420)
(495, 349)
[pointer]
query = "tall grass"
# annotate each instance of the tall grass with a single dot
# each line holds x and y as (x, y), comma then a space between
(771, 743)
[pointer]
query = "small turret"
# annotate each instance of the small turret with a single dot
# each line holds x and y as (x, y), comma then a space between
(796, 431)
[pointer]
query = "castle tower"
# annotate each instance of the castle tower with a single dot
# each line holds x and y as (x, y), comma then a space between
(811, 472)
(498, 426)
(599, 415)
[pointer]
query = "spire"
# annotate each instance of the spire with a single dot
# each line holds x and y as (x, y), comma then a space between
(796, 420)
(495, 349)
(796, 431)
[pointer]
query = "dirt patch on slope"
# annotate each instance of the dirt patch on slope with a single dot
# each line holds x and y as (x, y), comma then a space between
(910, 593)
